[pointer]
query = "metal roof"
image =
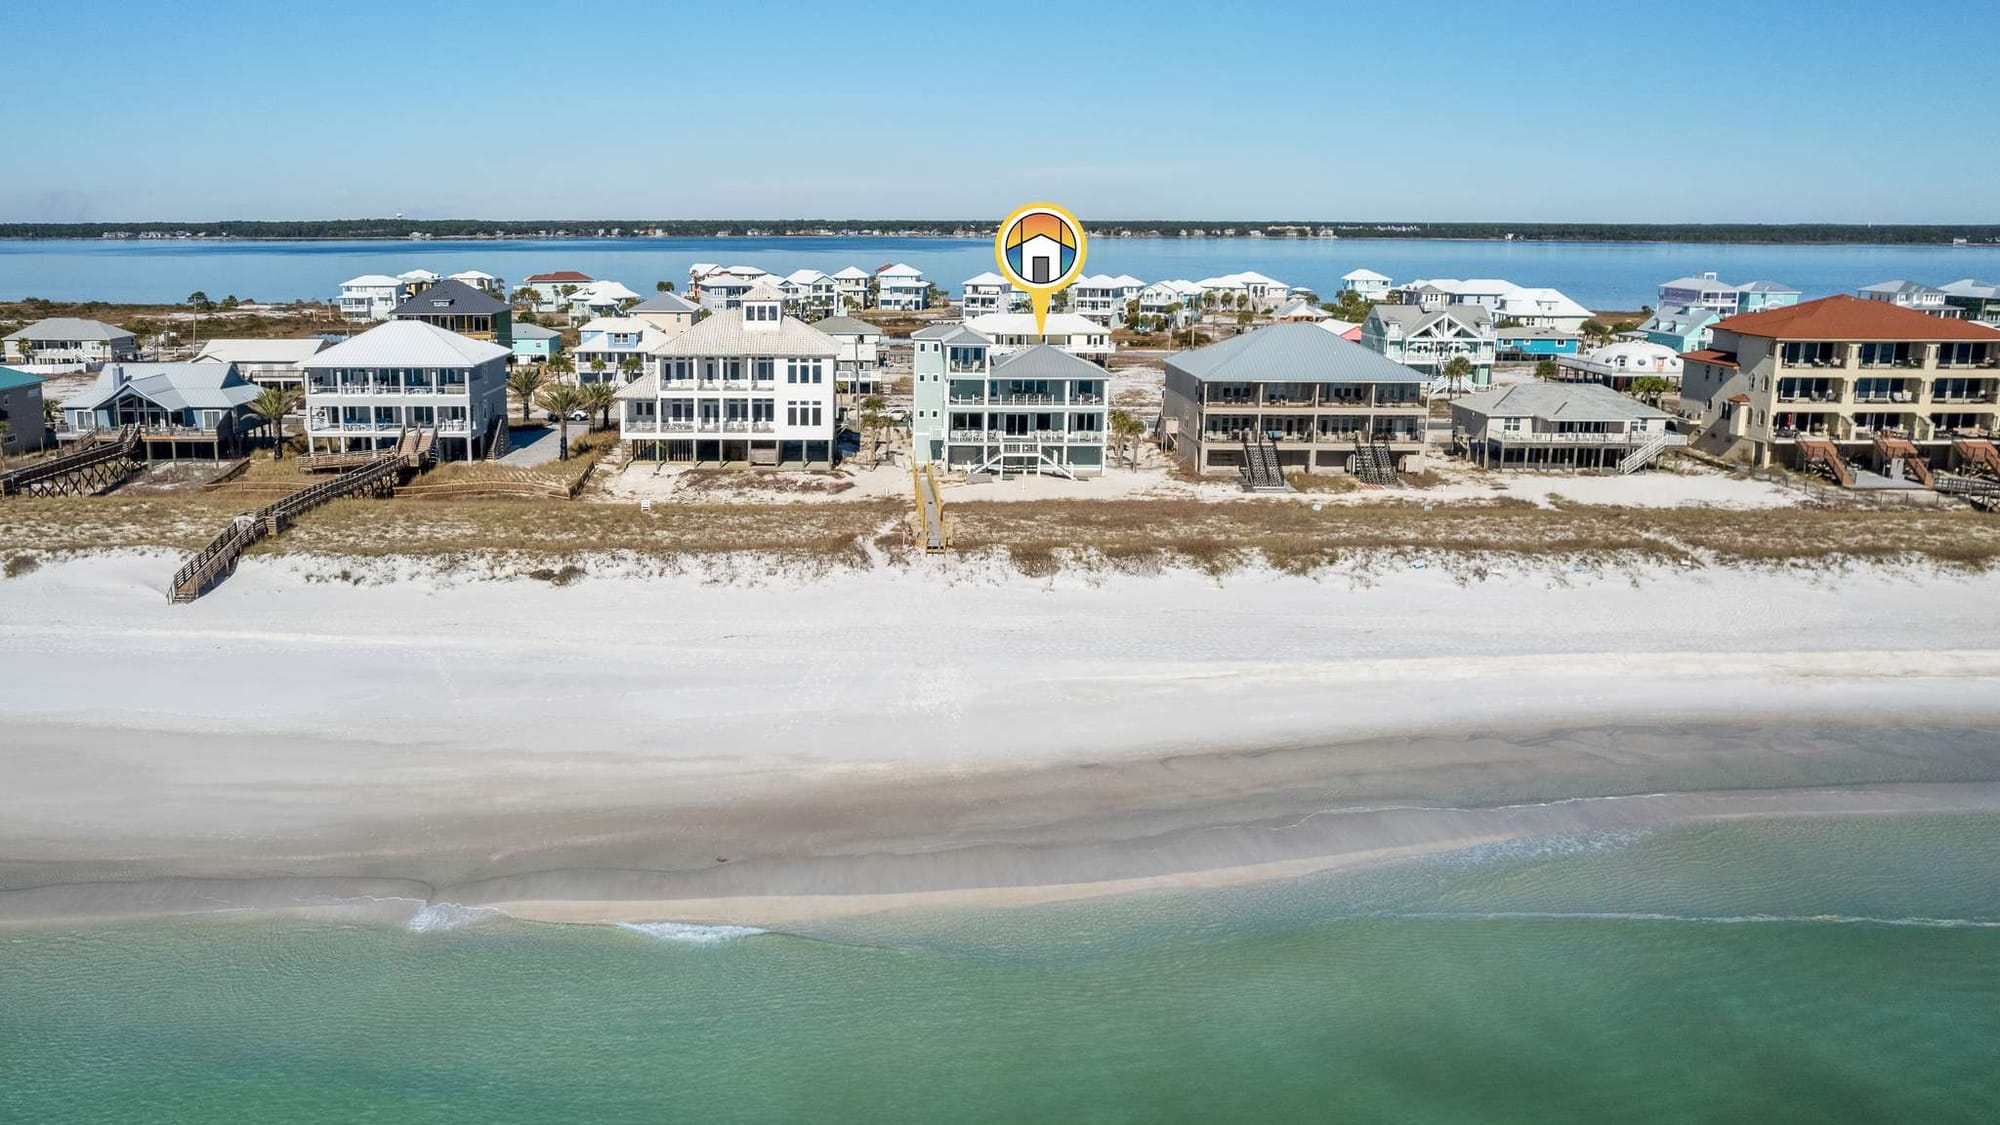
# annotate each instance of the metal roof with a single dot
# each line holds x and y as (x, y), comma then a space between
(172, 386)
(70, 328)
(726, 334)
(847, 326)
(1043, 361)
(665, 303)
(534, 332)
(12, 380)
(260, 351)
(407, 343)
(1413, 318)
(1291, 353)
(952, 334)
(1558, 402)
(451, 298)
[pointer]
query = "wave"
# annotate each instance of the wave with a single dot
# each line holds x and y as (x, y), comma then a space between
(688, 933)
(437, 917)
(1535, 847)
(1699, 919)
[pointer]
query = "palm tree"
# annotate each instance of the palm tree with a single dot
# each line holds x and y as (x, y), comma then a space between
(873, 420)
(6, 428)
(663, 287)
(1649, 389)
(628, 368)
(1456, 369)
(599, 398)
(560, 365)
(524, 382)
(527, 295)
(272, 404)
(1127, 430)
(562, 400)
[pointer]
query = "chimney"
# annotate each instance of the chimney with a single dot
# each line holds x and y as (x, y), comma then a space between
(122, 378)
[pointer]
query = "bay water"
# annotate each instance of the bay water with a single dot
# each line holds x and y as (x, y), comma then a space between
(1601, 275)
(1813, 969)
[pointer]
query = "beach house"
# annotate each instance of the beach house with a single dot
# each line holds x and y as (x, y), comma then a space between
(479, 279)
(810, 294)
(535, 344)
(614, 349)
(749, 387)
(418, 280)
(1314, 399)
(1100, 299)
(1974, 299)
(722, 289)
(1366, 284)
(372, 296)
(1518, 343)
(669, 314)
(1036, 409)
(1701, 291)
(1539, 307)
(23, 425)
(1171, 302)
(600, 298)
(1756, 296)
(364, 392)
(180, 409)
(1817, 384)
(458, 307)
(68, 343)
(903, 287)
(1560, 426)
(1621, 364)
(267, 363)
(1077, 335)
(1911, 295)
(552, 289)
(990, 293)
(858, 368)
(1684, 328)
(852, 286)
(1427, 339)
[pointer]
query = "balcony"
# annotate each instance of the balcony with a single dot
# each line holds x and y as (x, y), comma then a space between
(642, 425)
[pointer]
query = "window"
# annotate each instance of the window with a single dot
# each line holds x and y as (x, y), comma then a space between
(761, 368)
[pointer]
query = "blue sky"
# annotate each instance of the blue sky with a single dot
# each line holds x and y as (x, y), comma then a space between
(1686, 112)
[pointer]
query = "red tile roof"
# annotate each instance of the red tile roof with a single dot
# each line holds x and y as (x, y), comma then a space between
(1710, 355)
(560, 275)
(1740, 400)
(1852, 318)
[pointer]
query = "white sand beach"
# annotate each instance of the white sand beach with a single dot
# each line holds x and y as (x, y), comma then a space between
(776, 749)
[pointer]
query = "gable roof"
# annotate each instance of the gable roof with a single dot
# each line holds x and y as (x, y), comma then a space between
(451, 298)
(665, 303)
(1765, 287)
(764, 291)
(70, 328)
(1890, 288)
(899, 270)
(952, 334)
(1699, 283)
(1023, 324)
(1971, 287)
(1300, 307)
(558, 275)
(172, 386)
(1559, 402)
(851, 273)
(1291, 353)
(259, 351)
(534, 332)
(1414, 318)
(806, 277)
(372, 281)
(1842, 317)
(407, 343)
(987, 278)
(1363, 275)
(846, 326)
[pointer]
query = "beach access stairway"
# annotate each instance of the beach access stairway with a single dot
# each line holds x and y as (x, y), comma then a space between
(1375, 463)
(928, 526)
(1901, 460)
(1649, 451)
(1818, 454)
(89, 469)
(1978, 457)
(1261, 471)
(217, 560)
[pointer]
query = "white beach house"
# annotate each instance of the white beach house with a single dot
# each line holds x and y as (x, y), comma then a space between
(851, 287)
(810, 294)
(1367, 284)
(859, 366)
(990, 293)
(901, 287)
(68, 343)
(268, 363)
(975, 409)
(372, 296)
(751, 386)
(1077, 335)
(614, 349)
(362, 393)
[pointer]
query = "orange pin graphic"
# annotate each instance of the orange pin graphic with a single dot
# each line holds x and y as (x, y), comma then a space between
(1040, 249)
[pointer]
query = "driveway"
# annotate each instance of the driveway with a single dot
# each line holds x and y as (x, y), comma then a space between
(527, 448)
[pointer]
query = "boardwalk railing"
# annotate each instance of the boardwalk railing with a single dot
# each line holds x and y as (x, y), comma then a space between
(218, 559)
(79, 472)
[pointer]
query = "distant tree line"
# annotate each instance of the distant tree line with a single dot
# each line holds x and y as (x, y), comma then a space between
(1907, 234)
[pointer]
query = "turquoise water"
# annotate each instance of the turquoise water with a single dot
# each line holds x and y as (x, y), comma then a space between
(1811, 970)
(1602, 275)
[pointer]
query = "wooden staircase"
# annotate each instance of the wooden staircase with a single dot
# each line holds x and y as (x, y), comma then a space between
(1375, 463)
(92, 468)
(1901, 460)
(1261, 471)
(1819, 455)
(1977, 457)
(928, 526)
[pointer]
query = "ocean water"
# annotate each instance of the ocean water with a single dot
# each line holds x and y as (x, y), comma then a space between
(1825, 969)
(1602, 275)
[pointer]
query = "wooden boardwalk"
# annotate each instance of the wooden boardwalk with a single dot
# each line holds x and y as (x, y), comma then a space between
(217, 560)
(83, 471)
(928, 525)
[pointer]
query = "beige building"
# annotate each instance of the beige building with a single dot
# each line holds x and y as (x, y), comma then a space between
(1842, 375)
